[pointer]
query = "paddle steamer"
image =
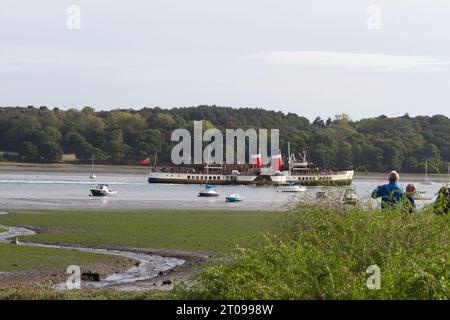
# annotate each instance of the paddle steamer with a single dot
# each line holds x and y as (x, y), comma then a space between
(293, 171)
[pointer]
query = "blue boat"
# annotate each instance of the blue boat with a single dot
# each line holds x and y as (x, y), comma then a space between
(234, 198)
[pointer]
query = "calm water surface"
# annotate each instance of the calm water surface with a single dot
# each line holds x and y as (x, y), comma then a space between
(35, 190)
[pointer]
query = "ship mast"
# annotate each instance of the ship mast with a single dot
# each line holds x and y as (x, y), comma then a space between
(150, 163)
(289, 158)
(323, 149)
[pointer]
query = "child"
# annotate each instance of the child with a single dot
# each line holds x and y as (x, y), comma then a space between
(409, 203)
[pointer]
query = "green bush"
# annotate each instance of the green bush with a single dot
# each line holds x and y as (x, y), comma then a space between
(323, 252)
(28, 151)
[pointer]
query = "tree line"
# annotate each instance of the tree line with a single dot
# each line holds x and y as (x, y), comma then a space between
(125, 136)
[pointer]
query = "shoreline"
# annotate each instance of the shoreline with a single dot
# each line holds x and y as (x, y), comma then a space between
(10, 167)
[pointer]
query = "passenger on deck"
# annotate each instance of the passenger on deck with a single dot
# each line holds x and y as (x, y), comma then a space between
(391, 194)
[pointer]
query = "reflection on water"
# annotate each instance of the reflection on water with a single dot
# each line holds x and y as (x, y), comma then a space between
(71, 191)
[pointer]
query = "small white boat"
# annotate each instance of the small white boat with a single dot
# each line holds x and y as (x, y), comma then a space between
(208, 192)
(350, 197)
(209, 189)
(234, 198)
(422, 197)
(292, 188)
(102, 190)
(427, 181)
(92, 176)
(321, 195)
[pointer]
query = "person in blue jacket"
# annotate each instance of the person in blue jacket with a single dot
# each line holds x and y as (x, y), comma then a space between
(391, 194)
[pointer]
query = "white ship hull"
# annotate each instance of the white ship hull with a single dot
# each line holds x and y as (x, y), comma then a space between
(338, 178)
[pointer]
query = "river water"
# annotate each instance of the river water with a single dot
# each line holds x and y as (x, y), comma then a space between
(43, 190)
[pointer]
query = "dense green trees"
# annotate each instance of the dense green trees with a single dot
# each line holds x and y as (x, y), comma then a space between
(50, 152)
(125, 136)
(28, 151)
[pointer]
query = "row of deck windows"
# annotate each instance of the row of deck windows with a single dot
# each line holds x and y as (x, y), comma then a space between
(313, 178)
(204, 177)
(232, 178)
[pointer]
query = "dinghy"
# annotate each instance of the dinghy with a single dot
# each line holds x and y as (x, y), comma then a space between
(234, 198)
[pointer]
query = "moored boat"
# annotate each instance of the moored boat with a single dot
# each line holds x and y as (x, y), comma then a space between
(234, 198)
(292, 188)
(320, 195)
(427, 181)
(209, 191)
(102, 190)
(92, 176)
(350, 197)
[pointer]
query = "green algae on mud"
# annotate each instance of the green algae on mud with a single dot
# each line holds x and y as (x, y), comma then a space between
(25, 258)
(210, 231)
(206, 231)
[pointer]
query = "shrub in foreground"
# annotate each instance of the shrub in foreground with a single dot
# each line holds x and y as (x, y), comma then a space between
(323, 252)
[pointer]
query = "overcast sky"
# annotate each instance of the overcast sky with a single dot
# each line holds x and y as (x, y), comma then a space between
(308, 57)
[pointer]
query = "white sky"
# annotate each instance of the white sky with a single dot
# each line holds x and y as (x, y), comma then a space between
(308, 57)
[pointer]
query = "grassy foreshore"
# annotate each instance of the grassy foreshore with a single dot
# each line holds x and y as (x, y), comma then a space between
(24, 258)
(27, 267)
(182, 233)
(207, 231)
(312, 252)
